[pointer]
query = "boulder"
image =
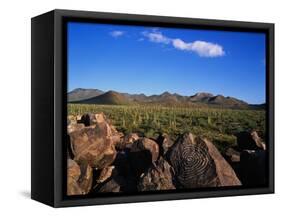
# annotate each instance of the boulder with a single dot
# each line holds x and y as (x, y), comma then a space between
(143, 153)
(92, 119)
(113, 185)
(112, 181)
(71, 119)
(197, 163)
(74, 127)
(253, 166)
(225, 173)
(122, 163)
(249, 141)
(116, 136)
(105, 174)
(157, 177)
(146, 144)
(232, 155)
(258, 140)
(94, 145)
(73, 174)
(127, 141)
(164, 142)
(73, 170)
(86, 178)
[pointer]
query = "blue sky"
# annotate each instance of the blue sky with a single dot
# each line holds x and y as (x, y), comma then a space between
(136, 59)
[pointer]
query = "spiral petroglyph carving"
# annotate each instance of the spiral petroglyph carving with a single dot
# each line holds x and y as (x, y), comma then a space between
(193, 165)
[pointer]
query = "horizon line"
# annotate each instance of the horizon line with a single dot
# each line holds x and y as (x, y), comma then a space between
(172, 93)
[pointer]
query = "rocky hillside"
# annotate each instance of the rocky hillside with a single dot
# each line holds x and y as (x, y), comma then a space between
(101, 159)
(94, 96)
(79, 94)
(108, 98)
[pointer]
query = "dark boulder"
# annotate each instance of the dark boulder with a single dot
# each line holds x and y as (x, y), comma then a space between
(164, 142)
(253, 168)
(249, 141)
(117, 183)
(146, 144)
(127, 141)
(143, 153)
(232, 155)
(158, 177)
(113, 185)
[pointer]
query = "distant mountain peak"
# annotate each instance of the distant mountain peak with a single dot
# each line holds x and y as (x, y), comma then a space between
(108, 98)
(166, 93)
(203, 94)
(79, 94)
(95, 96)
(201, 97)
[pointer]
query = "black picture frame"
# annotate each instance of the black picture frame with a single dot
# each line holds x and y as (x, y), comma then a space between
(49, 100)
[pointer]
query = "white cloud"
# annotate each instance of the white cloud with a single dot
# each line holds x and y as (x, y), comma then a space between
(201, 48)
(117, 33)
(180, 44)
(157, 37)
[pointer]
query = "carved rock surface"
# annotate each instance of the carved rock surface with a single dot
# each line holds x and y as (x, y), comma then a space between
(198, 163)
(94, 145)
(157, 178)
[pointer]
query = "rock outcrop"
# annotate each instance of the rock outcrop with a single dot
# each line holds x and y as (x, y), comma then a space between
(127, 141)
(158, 177)
(101, 159)
(198, 163)
(94, 145)
(232, 155)
(73, 174)
(146, 144)
(249, 141)
(143, 153)
(115, 184)
(86, 178)
(253, 169)
(165, 143)
(225, 173)
(249, 159)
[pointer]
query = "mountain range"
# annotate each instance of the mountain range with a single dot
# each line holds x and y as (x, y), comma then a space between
(95, 96)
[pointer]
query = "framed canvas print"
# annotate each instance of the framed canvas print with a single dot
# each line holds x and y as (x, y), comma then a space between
(134, 108)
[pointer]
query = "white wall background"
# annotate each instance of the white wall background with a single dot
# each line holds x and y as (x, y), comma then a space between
(15, 106)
